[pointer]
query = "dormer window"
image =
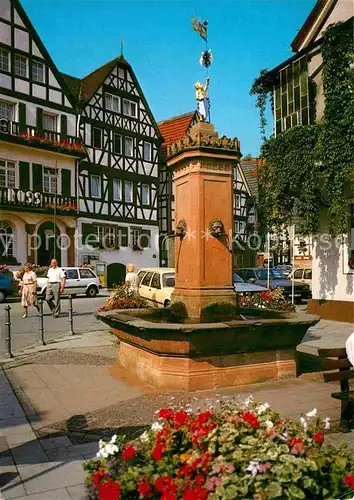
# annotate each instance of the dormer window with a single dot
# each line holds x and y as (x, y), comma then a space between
(129, 108)
(4, 60)
(112, 103)
(20, 68)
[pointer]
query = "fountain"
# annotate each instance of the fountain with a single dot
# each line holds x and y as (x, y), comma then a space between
(197, 354)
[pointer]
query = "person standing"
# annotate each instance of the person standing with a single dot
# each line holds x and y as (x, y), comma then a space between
(55, 286)
(132, 278)
(28, 290)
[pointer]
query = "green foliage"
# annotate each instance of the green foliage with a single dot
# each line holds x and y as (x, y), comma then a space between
(261, 88)
(306, 165)
(178, 310)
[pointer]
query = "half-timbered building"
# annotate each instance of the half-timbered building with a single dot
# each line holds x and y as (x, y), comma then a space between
(38, 148)
(118, 180)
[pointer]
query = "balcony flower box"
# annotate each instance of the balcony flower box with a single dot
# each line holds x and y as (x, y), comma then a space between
(62, 146)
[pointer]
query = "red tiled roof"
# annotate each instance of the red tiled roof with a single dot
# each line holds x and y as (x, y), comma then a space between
(176, 127)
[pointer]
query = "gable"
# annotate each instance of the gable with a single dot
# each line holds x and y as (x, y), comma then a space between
(38, 76)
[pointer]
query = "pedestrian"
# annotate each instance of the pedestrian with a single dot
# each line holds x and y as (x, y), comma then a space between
(28, 289)
(55, 286)
(132, 278)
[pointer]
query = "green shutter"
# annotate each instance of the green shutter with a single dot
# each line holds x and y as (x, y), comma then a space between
(24, 175)
(22, 117)
(63, 125)
(39, 119)
(37, 177)
(88, 230)
(65, 182)
(122, 236)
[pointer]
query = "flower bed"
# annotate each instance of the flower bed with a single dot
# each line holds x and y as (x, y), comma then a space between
(271, 299)
(123, 297)
(242, 451)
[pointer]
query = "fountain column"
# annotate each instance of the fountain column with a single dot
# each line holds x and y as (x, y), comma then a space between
(203, 166)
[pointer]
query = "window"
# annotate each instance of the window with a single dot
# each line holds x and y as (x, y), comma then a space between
(308, 274)
(140, 238)
(50, 122)
(123, 236)
(298, 274)
(129, 146)
(97, 138)
(147, 151)
(238, 201)
(7, 174)
(4, 60)
(106, 236)
(37, 71)
(7, 111)
(156, 282)
(168, 280)
(141, 274)
(112, 103)
(117, 144)
(49, 180)
(145, 194)
(128, 192)
(20, 65)
(71, 274)
(117, 190)
(86, 273)
(146, 279)
(95, 186)
(6, 239)
(129, 108)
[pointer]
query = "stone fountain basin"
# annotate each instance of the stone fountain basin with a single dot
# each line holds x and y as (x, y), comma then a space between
(135, 327)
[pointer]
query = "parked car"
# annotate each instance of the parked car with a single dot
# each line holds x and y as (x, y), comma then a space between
(303, 275)
(79, 280)
(277, 279)
(156, 285)
(7, 285)
(242, 287)
(286, 269)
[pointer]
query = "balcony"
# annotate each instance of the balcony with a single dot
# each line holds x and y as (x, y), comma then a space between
(43, 139)
(16, 199)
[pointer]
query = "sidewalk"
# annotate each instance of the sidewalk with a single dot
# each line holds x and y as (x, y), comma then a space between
(58, 400)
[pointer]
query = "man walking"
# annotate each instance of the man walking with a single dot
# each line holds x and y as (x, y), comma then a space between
(55, 286)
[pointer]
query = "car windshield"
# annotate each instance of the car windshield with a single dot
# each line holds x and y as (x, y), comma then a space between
(237, 279)
(168, 280)
(274, 274)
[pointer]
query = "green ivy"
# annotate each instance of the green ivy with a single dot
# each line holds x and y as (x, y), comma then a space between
(307, 165)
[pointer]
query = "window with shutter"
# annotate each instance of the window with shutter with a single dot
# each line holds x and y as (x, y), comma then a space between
(37, 177)
(89, 236)
(65, 182)
(122, 236)
(24, 176)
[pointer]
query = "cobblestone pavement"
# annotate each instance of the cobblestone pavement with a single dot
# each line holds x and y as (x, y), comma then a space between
(57, 401)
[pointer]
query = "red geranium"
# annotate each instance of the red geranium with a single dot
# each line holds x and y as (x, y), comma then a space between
(297, 446)
(166, 413)
(166, 486)
(158, 451)
(144, 489)
(197, 493)
(181, 417)
(110, 490)
(349, 481)
(251, 419)
(98, 476)
(185, 471)
(318, 437)
(129, 452)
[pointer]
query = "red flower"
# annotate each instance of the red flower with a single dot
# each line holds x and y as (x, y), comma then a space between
(349, 481)
(197, 493)
(166, 413)
(110, 490)
(144, 489)
(129, 452)
(297, 446)
(98, 476)
(251, 419)
(318, 437)
(185, 471)
(158, 451)
(181, 417)
(166, 486)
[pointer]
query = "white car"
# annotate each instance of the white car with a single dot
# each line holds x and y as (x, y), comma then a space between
(304, 275)
(79, 280)
(157, 284)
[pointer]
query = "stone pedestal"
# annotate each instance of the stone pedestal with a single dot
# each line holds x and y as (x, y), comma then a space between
(203, 187)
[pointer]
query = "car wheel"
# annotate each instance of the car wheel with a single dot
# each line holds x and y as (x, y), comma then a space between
(167, 303)
(92, 292)
(2, 296)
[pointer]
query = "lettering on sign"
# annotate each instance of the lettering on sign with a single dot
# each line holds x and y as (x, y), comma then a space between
(26, 197)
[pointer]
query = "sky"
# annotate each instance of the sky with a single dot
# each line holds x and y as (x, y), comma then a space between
(245, 36)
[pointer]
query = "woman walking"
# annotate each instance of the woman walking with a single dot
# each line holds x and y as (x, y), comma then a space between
(28, 290)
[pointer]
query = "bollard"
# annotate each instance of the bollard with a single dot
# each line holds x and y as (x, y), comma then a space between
(8, 331)
(41, 326)
(71, 319)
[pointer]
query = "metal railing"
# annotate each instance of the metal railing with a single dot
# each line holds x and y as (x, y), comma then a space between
(42, 340)
(13, 128)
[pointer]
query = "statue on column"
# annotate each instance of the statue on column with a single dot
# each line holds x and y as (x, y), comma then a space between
(203, 103)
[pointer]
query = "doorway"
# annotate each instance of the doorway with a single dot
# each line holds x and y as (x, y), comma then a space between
(48, 248)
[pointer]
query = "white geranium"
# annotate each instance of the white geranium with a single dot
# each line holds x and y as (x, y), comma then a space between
(262, 408)
(144, 437)
(269, 424)
(248, 401)
(156, 426)
(327, 424)
(312, 413)
(303, 422)
(253, 467)
(107, 449)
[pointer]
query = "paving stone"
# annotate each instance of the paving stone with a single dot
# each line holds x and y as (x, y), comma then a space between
(12, 426)
(77, 492)
(3, 444)
(28, 453)
(6, 460)
(53, 443)
(21, 438)
(14, 490)
(48, 476)
(86, 448)
(64, 454)
(13, 410)
(60, 494)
